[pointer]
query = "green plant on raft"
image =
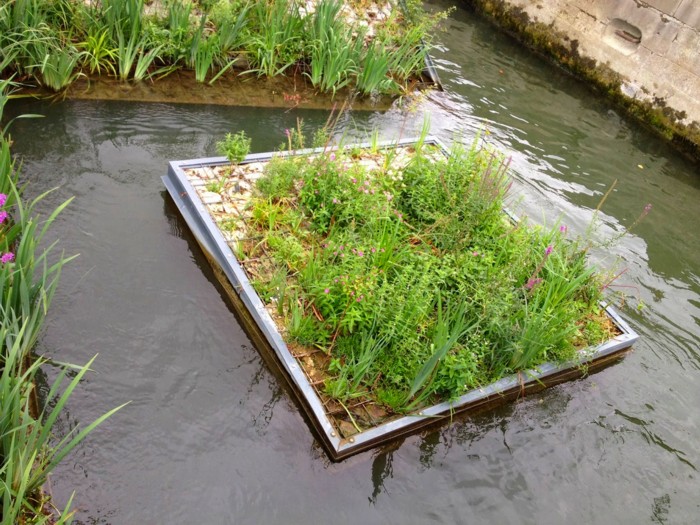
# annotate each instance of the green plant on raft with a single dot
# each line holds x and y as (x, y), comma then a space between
(234, 147)
(407, 273)
(217, 186)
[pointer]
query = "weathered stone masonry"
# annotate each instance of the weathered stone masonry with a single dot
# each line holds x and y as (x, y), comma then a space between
(651, 46)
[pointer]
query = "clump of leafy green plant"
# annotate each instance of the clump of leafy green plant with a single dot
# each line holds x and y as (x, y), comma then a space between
(234, 147)
(401, 265)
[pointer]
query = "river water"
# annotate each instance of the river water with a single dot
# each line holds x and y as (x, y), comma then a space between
(210, 435)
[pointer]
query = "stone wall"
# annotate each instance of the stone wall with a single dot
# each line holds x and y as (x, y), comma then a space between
(654, 45)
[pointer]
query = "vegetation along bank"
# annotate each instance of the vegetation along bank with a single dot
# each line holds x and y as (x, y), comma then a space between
(364, 46)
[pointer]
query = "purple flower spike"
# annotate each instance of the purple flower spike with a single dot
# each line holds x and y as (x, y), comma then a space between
(549, 250)
(8, 257)
(327, 290)
(3, 199)
(332, 156)
(563, 228)
(3, 216)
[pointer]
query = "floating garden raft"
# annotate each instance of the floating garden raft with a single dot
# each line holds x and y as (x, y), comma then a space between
(389, 286)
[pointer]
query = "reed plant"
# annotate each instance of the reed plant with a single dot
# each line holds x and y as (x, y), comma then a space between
(98, 53)
(274, 37)
(334, 49)
(29, 274)
(374, 71)
(230, 24)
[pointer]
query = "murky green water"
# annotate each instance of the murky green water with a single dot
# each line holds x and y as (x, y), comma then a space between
(210, 437)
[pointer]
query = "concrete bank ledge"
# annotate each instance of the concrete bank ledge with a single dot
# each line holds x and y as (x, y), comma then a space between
(644, 54)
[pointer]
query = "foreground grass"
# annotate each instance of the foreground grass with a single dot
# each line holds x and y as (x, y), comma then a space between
(53, 42)
(28, 280)
(402, 267)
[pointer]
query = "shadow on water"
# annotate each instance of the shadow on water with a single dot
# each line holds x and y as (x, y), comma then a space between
(261, 376)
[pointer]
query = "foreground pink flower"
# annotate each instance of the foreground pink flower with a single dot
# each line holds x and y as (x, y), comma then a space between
(8, 257)
(3, 199)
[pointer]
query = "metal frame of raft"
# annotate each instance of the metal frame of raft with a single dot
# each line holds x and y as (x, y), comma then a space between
(263, 331)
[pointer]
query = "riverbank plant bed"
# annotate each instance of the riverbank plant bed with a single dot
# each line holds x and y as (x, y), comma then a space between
(370, 47)
(181, 87)
(391, 275)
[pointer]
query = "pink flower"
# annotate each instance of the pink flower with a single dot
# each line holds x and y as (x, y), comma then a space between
(354, 180)
(8, 257)
(332, 157)
(327, 290)
(647, 208)
(562, 228)
(3, 199)
(549, 250)
(475, 254)
(533, 282)
(3, 216)
(335, 201)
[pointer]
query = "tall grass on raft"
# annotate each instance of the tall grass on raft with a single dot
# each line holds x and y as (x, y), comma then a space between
(29, 275)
